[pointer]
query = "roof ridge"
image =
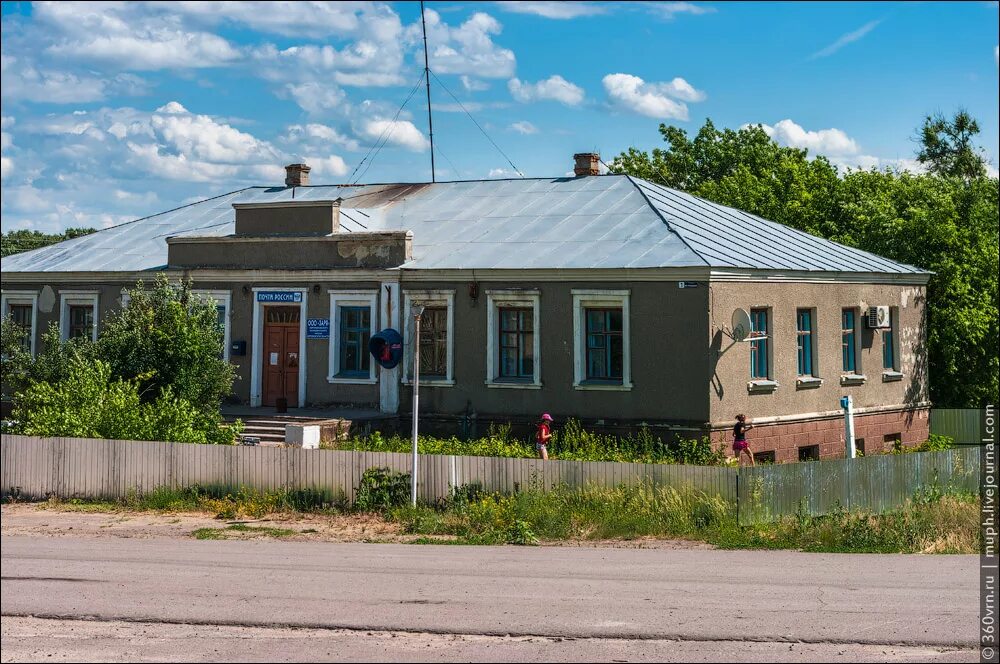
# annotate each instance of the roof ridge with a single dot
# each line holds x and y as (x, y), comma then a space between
(666, 222)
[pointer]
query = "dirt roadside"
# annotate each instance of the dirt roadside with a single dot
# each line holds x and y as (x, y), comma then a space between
(62, 520)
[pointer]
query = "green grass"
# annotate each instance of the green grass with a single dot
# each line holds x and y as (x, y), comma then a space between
(940, 524)
(570, 442)
(241, 528)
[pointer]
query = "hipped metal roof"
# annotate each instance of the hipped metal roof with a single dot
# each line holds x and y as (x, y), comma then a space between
(609, 221)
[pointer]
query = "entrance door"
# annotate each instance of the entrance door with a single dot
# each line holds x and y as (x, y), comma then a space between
(281, 355)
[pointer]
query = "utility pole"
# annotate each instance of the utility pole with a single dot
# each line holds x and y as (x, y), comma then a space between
(427, 75)
(418, 311)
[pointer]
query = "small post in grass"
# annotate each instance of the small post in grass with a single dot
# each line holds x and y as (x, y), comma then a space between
(418, 311)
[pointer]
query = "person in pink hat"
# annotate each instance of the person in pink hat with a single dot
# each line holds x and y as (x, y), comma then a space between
(543, 434)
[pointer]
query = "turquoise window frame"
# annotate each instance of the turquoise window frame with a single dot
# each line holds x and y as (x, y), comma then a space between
(760, 365)
(849, 336)
(804, 330)
(889, 344)
(355, 337)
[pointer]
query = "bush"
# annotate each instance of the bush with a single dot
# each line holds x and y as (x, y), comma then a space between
(89, 403)
(381, 490)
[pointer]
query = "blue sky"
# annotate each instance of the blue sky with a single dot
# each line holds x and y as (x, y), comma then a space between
(115, 111)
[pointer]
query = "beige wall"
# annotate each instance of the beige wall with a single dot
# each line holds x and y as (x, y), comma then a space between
(729, 394)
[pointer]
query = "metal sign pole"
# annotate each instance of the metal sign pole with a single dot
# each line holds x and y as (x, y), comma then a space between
(847, 403)
(417, 311)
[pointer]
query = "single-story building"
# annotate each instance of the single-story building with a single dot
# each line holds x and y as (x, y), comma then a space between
(601, 297)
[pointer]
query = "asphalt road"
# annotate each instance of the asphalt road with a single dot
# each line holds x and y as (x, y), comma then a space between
(781, 600)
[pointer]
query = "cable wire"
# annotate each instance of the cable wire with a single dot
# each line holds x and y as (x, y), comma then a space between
(386, 134)
(490, 139)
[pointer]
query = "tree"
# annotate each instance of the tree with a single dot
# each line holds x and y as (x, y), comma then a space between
(17, 241)
(946, 146)
(944, 224)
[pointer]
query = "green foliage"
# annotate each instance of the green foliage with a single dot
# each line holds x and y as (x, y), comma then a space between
(572, 442)
(944, 224)
(381, 489)
(17, 241)
(169, 337)
(242, 531)
(89, 403)
(946, 146)
(14, 358)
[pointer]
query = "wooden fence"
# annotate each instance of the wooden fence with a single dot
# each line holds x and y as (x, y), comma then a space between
(35, 468)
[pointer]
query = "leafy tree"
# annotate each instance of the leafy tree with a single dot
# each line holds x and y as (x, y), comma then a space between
(17, 241)
(90, 403)
(172, 339)
(946, 146)
(948, 225)
(14, 359)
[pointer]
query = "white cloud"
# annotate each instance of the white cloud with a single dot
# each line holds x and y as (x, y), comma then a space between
(402, 133)
(656, 100)
(556, 9)
(23, 81)
(830, 142)
(473, 84)
(317, 98)
(332, 166)
(524, 127)
(129, 36)
(501, 173)
(201, 137)
(298, 19)
(172, 107)
(7, 121)
(667, 10)
(6, 167)
(555, 87)
(844, 40)
(465, 49)
(319, 133)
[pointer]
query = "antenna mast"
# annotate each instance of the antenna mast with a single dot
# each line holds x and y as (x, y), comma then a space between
(427, 75)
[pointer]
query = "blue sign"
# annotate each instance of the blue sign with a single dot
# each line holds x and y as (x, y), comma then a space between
(280, 296)
(317, 328)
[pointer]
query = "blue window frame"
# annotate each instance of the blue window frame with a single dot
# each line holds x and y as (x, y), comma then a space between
(804, 326)
(759, 348)
(889, 344)
(605, 350)
(848, 337)
(517, 347)
(355, 333)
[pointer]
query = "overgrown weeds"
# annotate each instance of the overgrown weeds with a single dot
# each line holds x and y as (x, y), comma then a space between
(571, 442)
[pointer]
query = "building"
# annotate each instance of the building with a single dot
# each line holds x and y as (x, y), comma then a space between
(601, 297)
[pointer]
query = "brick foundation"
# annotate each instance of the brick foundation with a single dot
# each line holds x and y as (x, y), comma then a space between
(876, 430)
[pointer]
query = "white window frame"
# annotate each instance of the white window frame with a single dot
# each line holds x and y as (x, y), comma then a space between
(222, 298)
(495, 299)
(428, 298)
(8, 298)
(77, 298)
(582, 299)
(350, 298)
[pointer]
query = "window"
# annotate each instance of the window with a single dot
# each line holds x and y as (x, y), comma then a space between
(353, 318)
(848, 340)
(601, 331)
(81, 320)
(604, 344)
(889, 343)
(892, 441)
(78, 314)
(21, 306)
(764, 458)
(434, 342)
(517, 345)
(222, 300)
(513, 340)
(859, 446)
(355, 332)
(804, 327)
(759, 358)
(809, 453)
(436, 337)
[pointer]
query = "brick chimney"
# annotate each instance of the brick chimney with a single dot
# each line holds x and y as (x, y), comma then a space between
(297, 175)
(587, 163)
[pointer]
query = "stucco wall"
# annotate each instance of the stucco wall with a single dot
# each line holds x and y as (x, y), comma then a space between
(729, 394)
(668, 329)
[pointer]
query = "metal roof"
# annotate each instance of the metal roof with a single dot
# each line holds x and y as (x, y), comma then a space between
(609, 221)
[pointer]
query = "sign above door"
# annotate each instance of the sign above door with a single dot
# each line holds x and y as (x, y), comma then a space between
(279, 296)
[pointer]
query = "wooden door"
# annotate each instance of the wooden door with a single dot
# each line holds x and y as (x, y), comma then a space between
(281, 355)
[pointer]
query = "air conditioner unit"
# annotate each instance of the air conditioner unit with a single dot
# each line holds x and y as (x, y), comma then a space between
(878, 318)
